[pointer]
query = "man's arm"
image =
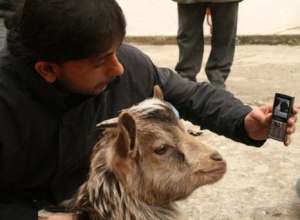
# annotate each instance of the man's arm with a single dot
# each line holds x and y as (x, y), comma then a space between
(219, 111)
(214, 109)
(200, 103)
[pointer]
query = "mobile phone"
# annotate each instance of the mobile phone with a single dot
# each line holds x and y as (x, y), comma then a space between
(282, 110)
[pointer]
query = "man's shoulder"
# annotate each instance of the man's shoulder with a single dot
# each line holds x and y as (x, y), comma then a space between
(129, 54)
(140, 74)
(135, 61)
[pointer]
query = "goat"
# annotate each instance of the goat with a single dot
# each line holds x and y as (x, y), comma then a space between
(144, 161)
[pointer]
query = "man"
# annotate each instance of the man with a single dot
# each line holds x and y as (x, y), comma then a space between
(65, 70)
(190, 38)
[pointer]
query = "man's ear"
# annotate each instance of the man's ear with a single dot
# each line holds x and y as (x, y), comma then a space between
(47, 70)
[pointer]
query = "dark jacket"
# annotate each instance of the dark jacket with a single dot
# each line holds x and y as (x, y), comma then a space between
(46, 135)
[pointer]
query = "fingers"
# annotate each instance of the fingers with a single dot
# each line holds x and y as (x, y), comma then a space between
(262, 114)
(294, 113)
(291, 126)
(293, 119)
(268, 118)
(296, 109)
(291, 130)
(266, 108)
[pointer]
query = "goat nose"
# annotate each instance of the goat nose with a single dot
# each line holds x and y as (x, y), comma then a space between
(216, 156)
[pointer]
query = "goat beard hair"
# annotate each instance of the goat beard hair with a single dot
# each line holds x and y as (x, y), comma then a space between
(104, 197)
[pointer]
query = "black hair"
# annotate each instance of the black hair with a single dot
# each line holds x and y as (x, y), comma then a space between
(61, 30)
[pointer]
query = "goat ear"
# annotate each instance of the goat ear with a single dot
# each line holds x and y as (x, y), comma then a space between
(126, 140)
(158, 93)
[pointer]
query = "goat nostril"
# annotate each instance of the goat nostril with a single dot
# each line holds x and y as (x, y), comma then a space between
(216, 156)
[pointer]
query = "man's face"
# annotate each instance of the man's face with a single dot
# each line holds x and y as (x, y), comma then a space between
(92, 75)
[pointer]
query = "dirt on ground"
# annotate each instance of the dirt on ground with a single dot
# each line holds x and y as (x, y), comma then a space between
(260, 182)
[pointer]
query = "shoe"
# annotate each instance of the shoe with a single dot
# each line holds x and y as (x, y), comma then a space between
(298, 187)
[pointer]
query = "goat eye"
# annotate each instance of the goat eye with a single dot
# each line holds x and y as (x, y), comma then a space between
(161, 149)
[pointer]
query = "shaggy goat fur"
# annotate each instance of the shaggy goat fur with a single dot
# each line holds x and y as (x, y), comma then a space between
(145, 161)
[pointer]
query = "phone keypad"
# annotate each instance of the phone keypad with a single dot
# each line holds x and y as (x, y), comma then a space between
(277, 130)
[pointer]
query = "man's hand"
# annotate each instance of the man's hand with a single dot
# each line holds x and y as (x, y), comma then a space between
(258, 121)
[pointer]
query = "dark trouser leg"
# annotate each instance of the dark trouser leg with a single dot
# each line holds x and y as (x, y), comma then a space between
(224, 20)
(190, 39)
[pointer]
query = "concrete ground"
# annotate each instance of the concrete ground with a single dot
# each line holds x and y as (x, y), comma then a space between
(260, 182)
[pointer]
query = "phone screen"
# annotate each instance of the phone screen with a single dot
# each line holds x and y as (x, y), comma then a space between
(281, 108)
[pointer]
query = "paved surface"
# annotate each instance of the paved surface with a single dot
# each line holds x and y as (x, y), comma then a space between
(260, 183)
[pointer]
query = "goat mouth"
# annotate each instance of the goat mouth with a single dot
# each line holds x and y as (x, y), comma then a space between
(218, 171)
(203, 177)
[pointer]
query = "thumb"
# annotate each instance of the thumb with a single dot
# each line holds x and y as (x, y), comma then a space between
(268, 118)
(262, 117)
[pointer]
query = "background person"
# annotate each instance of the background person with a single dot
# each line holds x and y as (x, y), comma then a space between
(190, 38)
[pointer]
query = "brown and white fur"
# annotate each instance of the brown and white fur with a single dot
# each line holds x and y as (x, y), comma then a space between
(143, 163)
